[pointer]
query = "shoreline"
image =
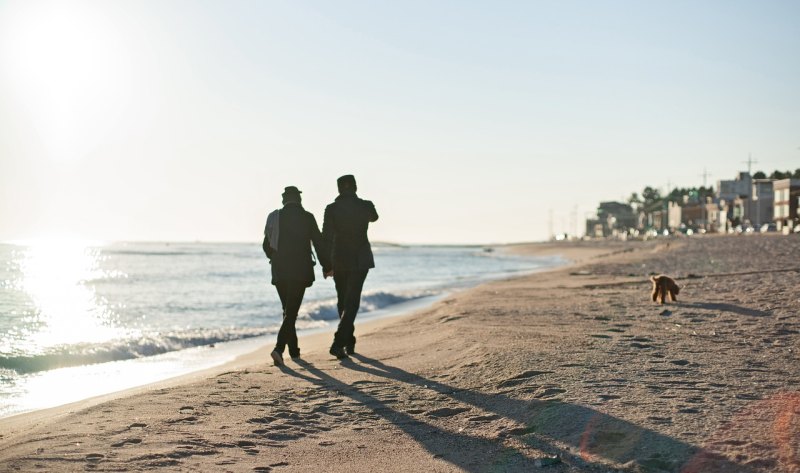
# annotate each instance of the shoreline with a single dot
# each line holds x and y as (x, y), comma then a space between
(575, 362)
(252, 355)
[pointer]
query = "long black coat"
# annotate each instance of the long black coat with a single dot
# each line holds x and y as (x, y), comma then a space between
(344, 232)
(293, 261)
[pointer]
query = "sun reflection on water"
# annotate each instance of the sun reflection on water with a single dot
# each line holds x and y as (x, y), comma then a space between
(54, 275)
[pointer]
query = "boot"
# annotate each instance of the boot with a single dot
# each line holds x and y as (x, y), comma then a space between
(338, 352)
(351, 347)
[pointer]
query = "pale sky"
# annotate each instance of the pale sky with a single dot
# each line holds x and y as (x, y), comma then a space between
(464, 122)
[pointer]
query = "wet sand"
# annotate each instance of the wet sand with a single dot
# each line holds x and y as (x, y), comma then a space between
(577, 362)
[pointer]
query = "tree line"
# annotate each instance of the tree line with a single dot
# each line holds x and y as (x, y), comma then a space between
(778, 175)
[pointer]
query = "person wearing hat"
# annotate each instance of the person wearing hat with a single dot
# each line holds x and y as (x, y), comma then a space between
(288, 236)
(344, 233)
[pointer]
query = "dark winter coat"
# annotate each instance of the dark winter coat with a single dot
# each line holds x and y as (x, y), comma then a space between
(344, 232)
(294, 260)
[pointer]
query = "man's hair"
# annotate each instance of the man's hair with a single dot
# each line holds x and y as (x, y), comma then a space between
(346, 183)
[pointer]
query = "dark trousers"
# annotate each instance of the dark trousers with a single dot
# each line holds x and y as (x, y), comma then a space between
(348, 294)
(291, 294)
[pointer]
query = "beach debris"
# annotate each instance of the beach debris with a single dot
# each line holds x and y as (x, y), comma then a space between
(665, 312)
(547, 461)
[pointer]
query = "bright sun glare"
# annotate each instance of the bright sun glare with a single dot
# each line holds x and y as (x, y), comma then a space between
(67, 71)
(54, 276)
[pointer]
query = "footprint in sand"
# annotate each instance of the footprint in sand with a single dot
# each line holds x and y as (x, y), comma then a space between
(748, 397)
(446, 411)
(247, 446)
(137, 425)
(660, 420)
(548, 393)
(521, 378)
(608, 397)
(131, 441)
(281, 436)
(186, 409)
(183, 420)
(94, 457)
(486, 418)
(261, 420)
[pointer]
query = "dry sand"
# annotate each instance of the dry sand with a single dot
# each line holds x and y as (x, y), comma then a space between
(576, 362)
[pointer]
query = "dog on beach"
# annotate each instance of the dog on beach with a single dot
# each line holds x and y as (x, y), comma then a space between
(663, 285)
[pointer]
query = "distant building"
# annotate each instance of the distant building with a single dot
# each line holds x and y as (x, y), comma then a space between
(786, 193)
(674, 215)
(700, 215)
(734, 197)
(693, 213)
(613, 218)
(657, 216)
(594, 228)
(761, 202)
(739, 187)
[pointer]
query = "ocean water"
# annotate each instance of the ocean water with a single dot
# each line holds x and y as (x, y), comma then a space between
(80, 319)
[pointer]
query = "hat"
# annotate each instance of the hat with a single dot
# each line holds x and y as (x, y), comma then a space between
(347, 180)
(291, 190)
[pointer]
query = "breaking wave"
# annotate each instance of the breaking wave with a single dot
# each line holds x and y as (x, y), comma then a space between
(124, 349)
(314, 314)
(327, 310)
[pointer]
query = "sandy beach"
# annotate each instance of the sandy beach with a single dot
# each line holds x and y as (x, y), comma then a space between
(576, 363)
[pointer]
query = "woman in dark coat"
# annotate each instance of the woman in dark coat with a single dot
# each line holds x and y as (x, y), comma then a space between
(288, 237)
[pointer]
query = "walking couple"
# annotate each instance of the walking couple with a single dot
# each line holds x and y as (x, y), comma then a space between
(343, 250)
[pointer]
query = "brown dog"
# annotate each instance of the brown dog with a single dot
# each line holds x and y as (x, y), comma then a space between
(663, 285)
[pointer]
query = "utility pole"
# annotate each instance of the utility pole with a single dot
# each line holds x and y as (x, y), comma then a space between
(665, 206)
(702, 199)
(705, 176)
(749, 163)
(574, 221)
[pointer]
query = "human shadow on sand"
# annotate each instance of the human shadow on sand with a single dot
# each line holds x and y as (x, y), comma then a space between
(583, 437)
(723, 307)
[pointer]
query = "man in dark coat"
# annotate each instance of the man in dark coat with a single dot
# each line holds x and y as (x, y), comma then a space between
(344, 232)
(288, 236)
